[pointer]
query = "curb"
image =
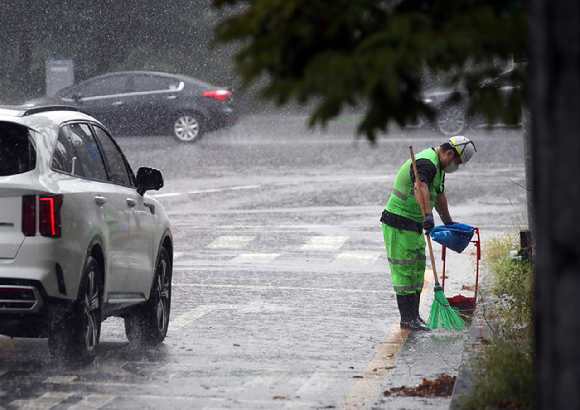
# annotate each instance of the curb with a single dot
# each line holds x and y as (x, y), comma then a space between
(479, 331)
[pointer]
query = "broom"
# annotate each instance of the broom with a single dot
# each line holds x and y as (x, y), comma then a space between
(442, 314)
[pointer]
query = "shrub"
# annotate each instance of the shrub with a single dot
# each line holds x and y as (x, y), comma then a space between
(504, 370)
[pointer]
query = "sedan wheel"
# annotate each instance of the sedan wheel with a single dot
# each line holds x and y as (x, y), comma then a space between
(76, 338)
(451, 121)
(187, 128)
(149, 323)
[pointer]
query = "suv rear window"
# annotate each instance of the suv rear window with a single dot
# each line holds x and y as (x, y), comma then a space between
(17, 154)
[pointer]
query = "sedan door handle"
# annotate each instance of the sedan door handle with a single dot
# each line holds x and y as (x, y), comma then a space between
(118, 103)
(100, 200)
(131, 202)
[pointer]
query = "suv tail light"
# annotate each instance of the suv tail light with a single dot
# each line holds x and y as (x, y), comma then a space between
(48, 215)
(219, 95)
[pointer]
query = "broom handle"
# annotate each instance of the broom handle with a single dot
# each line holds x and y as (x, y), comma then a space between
(424, 214)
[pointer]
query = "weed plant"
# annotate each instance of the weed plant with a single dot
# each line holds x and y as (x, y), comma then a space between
(505, 367)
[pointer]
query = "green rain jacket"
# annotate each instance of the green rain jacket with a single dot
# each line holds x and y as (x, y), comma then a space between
(402, 200)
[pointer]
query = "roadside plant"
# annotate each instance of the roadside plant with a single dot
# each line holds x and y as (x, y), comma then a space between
(504, 368)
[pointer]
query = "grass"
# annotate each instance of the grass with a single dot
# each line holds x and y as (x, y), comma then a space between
(505, 368)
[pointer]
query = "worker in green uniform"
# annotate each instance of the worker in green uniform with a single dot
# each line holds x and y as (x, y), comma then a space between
(403, 222)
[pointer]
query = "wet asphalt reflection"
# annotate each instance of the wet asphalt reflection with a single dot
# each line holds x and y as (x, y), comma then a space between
(281, 291)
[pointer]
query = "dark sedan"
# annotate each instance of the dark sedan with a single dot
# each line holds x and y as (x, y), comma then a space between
(452, 118)
(141, 102)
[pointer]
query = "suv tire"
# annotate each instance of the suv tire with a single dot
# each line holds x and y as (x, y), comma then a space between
(149, 323)
(76, 338)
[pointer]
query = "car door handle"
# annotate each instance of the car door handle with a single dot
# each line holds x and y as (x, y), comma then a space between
(131, 202)
(117, 103)
(100, 200)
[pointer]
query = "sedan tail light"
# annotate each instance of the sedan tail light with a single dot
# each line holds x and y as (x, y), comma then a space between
(48, 215)
(219, 95)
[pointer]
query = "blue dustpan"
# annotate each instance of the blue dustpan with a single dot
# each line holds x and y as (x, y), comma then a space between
(455, 237)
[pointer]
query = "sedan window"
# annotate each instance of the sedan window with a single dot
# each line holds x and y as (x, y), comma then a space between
(102, 87)
(114, 160)
(17, 154)
(143, 83)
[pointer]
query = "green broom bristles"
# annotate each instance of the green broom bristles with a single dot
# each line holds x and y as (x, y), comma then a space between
(444, 315)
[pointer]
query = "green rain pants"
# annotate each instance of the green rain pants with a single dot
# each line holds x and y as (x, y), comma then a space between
(406, 255)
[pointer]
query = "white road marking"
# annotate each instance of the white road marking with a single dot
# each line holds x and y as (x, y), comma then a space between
(268, 378)
(205, 191)
(235, 188)
(267, 287)
(325, 243)
(259, 306)
(196, 314)
(255, 257)
(254, 307)
(166, 195)
(168, 370)
(46, 401)
(317, 383)
(92, 402)
(356, 258)
(230, 242)
(59, 379)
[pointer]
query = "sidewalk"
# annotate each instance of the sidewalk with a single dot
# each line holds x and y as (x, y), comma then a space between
(428, 355)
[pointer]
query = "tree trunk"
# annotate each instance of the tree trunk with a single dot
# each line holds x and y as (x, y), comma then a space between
(555, 90)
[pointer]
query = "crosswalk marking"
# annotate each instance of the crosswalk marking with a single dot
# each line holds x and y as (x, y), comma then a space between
(268, 378)
(46, 401)
(230, 242)
(356, 258)
(317, 383)
(254, 307)
(325, 243)
(255, 257)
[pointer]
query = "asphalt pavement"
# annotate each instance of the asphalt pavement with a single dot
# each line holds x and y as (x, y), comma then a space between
(282, 297)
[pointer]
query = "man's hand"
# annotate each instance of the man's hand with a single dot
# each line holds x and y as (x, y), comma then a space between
(452, 222)
(428, 223)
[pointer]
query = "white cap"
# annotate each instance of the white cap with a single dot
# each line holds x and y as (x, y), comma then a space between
(464, 148)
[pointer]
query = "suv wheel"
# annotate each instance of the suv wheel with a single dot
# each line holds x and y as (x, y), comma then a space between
(451, 121)
(76, 338)
(149, 323)
(188, 128)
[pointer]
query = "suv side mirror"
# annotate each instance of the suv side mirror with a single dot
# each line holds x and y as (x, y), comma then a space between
(148, 178)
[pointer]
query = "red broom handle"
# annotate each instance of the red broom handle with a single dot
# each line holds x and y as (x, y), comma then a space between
(424, 214)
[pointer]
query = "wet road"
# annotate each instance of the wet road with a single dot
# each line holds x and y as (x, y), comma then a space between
(281, 292)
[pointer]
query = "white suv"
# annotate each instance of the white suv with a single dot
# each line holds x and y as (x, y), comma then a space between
(80, 240)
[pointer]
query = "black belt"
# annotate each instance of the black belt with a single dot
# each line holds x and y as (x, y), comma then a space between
(400, 222)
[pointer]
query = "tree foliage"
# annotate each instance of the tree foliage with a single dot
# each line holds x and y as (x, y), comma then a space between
(377, 53)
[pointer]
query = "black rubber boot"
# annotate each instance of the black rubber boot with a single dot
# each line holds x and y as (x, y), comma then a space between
(409, 318)
(416, 303)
